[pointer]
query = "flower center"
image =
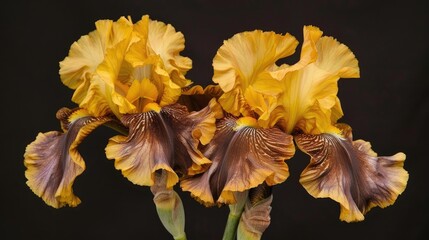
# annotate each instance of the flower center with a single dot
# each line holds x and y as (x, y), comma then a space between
(142, 91)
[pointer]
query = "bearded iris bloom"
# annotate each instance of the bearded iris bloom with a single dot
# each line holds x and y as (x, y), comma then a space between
(133, 75)
(244, 154)
(268, 105)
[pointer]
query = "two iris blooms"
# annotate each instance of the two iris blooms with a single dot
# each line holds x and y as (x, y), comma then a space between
(217, 141)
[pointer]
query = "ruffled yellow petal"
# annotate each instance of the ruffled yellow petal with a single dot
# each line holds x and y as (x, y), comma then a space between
(234, 103)
(84, 57)
(159, 50)
(242, 158)
(265, 106)
(77, 69)
(53, 162)
(205, 129)
(166, 140)
(113, 33)
(350, 173)
(105, 92)
(309, 53)
(336, 111)
(171, 91)
(144, 65)
(141, 28)
(336, 58)
(310, 93)
(163, 40)
(138, 66)
(248, 58)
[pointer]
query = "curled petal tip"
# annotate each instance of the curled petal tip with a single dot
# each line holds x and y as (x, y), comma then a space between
(350, 173)
(53, 162)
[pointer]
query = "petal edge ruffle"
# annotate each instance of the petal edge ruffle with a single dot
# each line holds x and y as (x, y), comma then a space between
(166, 140)
(53, 162)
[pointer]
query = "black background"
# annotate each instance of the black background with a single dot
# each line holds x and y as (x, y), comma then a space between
(387, 106)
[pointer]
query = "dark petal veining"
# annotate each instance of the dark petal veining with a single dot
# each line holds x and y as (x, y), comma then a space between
(52, 160)
(166, 140)
(242, 159)
(350, 173)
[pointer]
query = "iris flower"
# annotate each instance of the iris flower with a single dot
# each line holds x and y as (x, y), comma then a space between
(130, 75)
(268, 105)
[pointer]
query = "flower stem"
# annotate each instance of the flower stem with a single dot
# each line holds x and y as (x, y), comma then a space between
(234, 215)
(231, 227)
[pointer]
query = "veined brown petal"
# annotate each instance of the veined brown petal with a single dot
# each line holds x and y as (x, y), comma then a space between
(242, 158)
(167, 140)
(350, 173)
(52, 160)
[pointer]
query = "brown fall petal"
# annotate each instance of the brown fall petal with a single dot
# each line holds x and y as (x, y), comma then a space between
(165, 140)
(350, 173)
(52, 160)
(242, 158)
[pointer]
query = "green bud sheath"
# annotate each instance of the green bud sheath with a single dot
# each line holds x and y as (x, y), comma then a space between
(169, 207)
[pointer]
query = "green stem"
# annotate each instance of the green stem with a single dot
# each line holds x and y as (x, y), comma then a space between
(231, 227)
(235, 211)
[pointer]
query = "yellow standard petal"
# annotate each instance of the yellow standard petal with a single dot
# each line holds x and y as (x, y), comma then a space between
(53, 162)
(309, 97)
(351, 173)
(144, 67)
(163, 40)
(308, 54)
(157, 51)
(243, 156)
(248, 59)
(77, 69)
(106, 94)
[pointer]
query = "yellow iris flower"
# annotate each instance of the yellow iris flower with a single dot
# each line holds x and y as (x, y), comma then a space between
(131, 76)
(121, 67)
(268, 104)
